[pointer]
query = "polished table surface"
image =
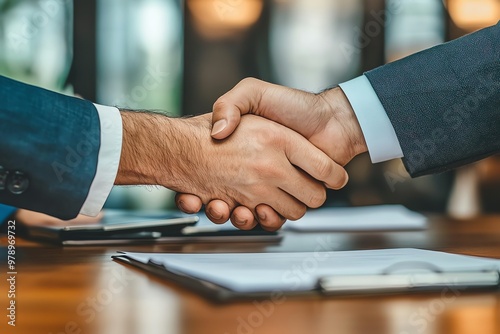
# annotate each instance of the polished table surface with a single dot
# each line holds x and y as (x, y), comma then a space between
(81, 290)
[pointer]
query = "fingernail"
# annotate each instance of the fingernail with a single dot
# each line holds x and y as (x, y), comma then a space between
(262, 215)
(219, 126)
(241, 222)
(182, 206)
(214, 214)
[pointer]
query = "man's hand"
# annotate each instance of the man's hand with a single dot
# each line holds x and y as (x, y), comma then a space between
(326, 120)
(255, 166)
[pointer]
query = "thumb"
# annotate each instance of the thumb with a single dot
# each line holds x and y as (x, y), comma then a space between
(225, 120)
(240, 100)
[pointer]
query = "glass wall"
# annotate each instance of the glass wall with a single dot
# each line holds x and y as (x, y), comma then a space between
(311, 42)
(36, 41)
(139, 66)
(139, 54)
(412, 26)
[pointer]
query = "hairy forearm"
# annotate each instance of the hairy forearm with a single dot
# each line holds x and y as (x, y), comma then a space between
(159, 150)
(154, 149)
(141, 156)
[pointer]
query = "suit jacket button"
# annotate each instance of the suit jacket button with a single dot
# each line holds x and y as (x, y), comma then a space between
(18, 183)
(3, 178)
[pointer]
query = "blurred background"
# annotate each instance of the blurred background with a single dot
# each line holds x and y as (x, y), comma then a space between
(180, 56)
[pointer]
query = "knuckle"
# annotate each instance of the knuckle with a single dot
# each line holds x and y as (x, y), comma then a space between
(267, 136)
(219, 104)
(267, 170)
(248, 81)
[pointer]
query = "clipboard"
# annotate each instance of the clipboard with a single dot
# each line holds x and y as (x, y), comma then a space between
(204, 288)
(390, 281)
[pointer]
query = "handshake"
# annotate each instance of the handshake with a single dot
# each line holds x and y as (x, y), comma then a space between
(262, 168)
(267, 152)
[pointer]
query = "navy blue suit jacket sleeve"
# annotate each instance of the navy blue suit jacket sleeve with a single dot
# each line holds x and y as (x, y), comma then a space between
(49, 149)
(444, 102)
(5, 212)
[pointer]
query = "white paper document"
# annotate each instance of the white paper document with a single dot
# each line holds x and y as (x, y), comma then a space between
(294, 272)
(366, 218)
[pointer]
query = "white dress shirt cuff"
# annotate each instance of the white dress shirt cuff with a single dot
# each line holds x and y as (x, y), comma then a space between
(380, 137)
(108, 160)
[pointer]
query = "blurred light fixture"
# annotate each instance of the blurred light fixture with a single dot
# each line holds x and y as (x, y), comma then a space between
(224, 18)
(159, 24)
(471, 15)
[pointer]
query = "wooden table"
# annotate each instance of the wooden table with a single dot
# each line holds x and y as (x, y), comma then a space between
(81, 290)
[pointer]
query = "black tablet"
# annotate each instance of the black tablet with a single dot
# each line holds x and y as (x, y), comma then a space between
(117, 225)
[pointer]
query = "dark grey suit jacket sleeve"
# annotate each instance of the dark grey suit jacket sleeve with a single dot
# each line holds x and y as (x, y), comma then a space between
(49, 149)
(444, 102)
